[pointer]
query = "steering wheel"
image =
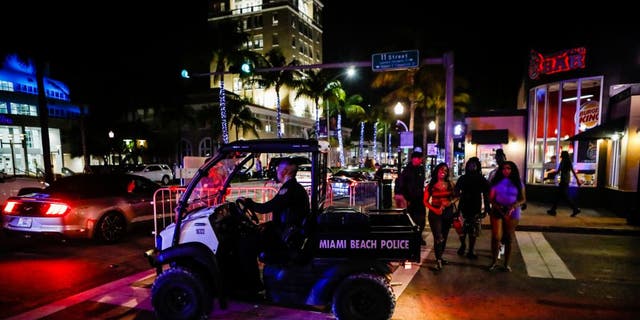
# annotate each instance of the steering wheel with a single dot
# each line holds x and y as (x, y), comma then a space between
(246, 212)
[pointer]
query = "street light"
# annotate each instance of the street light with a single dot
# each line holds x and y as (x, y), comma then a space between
(398, 109)
(111, 136)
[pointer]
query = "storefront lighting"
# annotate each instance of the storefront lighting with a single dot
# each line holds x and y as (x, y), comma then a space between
(586, 96)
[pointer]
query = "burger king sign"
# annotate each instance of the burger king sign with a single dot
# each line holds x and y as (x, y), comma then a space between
(588, 116)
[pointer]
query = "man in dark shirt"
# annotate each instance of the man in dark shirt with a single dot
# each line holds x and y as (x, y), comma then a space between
(289, 208)
(409, 190)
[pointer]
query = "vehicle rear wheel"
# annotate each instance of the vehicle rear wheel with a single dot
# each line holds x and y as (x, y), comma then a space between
(178, 293)
(111, 227)
(364, 297)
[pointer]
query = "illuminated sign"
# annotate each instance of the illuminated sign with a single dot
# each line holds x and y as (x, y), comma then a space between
(588, 116)
(566, 60)
(363, 244)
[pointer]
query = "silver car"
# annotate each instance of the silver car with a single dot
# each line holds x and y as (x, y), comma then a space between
(96, 206)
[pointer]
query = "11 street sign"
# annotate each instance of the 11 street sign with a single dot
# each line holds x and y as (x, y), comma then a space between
(395, 60)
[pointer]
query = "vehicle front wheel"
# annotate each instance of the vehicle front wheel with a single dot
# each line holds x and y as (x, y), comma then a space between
(364, 297)
(166, 180)
(179, 293)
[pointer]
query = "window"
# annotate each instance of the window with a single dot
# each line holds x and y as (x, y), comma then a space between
(275, 40)
(558, 111)
(205, 147)
(274, 19)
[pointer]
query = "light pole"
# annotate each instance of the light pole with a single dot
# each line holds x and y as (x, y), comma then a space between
(111, 136)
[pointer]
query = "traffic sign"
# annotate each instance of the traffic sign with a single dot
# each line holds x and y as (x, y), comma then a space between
(395, 60)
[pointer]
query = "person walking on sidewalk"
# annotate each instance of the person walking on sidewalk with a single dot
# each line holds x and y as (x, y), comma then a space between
(565, 169)
(439, 198)
(409, 188)
(506, 196)
(473, 190)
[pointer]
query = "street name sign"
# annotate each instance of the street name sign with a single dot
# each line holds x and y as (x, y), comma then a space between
(399, 60)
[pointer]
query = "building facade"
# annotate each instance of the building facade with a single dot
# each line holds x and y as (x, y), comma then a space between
(21, 151)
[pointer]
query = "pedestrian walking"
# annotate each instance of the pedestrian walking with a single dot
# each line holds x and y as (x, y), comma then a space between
(439, 198)
(473, 191)
(565, 169)
(408, 190)
(506, 196)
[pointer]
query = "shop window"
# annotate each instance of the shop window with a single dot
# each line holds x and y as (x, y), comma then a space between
(558, 111)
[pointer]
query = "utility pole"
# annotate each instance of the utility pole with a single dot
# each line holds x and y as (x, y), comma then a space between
(448, 108)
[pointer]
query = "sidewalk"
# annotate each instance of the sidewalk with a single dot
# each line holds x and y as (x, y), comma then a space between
(596, 221)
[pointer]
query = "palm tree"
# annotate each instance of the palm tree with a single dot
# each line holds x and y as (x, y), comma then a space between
(276, 79)
(339, 103)
(242, 119)
(405, 87)
(434, 82)
(315, 85)
(228, 41)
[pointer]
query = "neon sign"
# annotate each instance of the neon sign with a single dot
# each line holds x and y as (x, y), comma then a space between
(565, 60)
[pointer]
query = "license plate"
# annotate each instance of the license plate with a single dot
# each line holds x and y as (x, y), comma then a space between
(22, 222)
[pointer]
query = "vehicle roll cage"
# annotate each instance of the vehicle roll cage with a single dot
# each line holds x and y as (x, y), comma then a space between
(248, 149)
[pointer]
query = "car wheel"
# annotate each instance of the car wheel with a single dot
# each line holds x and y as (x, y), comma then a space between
(111, 227)
(166, 180)
(179, 293)
(364, 296)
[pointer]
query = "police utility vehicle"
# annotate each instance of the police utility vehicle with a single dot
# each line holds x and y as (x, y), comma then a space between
(341, 261)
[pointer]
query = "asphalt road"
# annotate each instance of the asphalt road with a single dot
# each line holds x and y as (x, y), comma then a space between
(590, 277)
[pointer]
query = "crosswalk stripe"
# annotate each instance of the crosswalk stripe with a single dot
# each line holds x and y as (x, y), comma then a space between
(540, 258)
(401, 277)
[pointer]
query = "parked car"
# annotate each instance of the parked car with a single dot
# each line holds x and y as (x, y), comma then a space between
(95, 206)
(273, 164)
(154, 172)
(341, 180)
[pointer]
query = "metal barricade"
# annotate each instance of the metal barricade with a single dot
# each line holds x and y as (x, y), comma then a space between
(363, 194)
(166, 199)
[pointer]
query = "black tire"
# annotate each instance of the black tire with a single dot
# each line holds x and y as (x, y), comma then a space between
(111, 228)
(179, 294)
(364, 297)
(166, 180)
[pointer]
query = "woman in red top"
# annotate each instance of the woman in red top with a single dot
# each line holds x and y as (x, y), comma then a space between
(438, 198)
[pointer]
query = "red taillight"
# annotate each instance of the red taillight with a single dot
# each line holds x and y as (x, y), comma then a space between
(55, 209)
(9, 206)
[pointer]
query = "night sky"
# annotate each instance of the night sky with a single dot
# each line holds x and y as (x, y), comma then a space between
(124, 52)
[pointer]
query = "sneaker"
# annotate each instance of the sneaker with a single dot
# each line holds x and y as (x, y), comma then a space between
(575, 212)
(471, 255)
(461, 251)
(551, 212)
(506, 268)
(493, 267)
(438, 265)
(444, 261)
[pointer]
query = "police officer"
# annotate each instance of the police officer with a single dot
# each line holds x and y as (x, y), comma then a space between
(409, 190)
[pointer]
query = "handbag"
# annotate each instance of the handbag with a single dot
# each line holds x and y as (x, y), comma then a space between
(457, 224)
(499, 212)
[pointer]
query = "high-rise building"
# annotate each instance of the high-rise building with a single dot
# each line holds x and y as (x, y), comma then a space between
(295, 27)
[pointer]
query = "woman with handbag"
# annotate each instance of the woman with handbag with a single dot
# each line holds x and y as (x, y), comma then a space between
(439, 199)
(506, 197)
(473, 190)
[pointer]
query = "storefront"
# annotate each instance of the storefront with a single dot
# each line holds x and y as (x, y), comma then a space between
(581, 103)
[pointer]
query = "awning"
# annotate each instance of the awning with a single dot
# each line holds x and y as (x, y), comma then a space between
(602, 131)
(499, 136)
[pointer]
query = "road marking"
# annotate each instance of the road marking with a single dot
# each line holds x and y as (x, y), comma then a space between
(540, 258)
(80, 297)
(401, 277)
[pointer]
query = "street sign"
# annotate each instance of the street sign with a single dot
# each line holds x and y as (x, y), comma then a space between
(406, 139)
(395, 60)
